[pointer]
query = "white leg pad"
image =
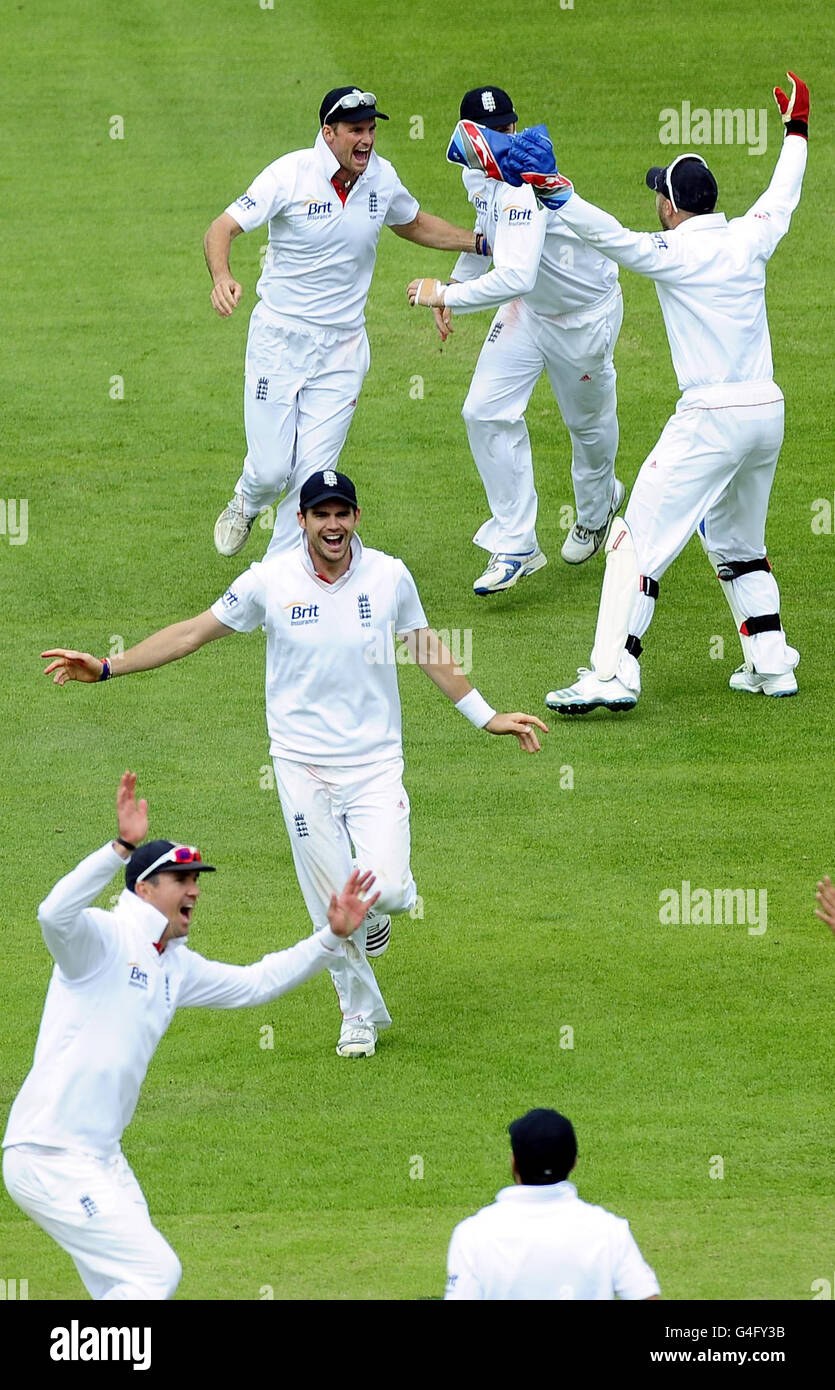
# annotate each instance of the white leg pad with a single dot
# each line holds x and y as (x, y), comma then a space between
(620, 585)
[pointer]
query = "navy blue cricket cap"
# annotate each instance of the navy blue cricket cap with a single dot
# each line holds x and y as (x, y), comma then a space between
(163, 857)
(360, 106)
(544, 1145)
(326, 487)
(687, 182)
(490, 106)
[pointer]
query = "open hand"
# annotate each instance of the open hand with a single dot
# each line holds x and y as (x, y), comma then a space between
(347, 912)
(521, 725)
(73, 666)
(132, 817)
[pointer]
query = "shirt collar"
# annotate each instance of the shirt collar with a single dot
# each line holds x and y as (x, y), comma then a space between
(307, 562)
(705, 222)
(548, 1192)
(139, 913)
(327, 158)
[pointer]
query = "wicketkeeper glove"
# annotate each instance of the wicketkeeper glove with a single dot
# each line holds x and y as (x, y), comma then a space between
(531, 158)
(478, 147)
(794, 108)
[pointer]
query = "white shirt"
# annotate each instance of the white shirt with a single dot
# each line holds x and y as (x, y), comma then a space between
(321, 255)
(332, 696)
(541, 1243)
(534, 255)
(710, 278)
(111, 998)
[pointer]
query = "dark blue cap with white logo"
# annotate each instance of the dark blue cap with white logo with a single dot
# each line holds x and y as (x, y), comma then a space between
(327, 487)
(490, 106)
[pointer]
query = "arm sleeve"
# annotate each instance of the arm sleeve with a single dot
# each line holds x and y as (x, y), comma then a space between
(518, 238)
(403, 207)
(409, 616)
(768, 220)
(633, 1279)
(461, 1282)
(243, 606)
(470, 267)
(647, 253)
(211, 984)
(75, 937)
(265, 198)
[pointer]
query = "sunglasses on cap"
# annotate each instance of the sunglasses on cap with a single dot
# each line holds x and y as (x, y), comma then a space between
(351, 102)
(180, 854)
(669, 171)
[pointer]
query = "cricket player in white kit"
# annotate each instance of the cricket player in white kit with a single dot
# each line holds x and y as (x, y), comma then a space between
(712, 468)
(118, 979)
(307, 351)
(538, 1241)
(331, 609)
(560, 311)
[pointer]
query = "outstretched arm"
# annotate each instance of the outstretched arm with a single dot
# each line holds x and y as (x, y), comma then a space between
(427, 230)
(432, 656)
(170, 644)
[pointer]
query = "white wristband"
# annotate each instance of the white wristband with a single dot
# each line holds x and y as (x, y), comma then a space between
(475, 708)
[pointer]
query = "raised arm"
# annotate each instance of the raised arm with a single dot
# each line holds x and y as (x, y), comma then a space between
(227, 292)
(768, 220)
(169, 644)
(77, 939)
(434, 658)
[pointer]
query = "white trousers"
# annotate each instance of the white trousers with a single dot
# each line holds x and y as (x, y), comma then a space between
(578, 360)
(713, 465)
(327, 811)
(300, 392)
(94, 1208)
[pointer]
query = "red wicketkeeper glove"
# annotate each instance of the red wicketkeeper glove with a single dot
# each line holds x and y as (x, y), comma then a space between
(794, 108)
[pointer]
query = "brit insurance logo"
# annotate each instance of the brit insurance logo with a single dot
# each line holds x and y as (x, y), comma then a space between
(316, 211)
(230, 598)
(480, 205)
(138, 977)
(517, 214)
(302, 614)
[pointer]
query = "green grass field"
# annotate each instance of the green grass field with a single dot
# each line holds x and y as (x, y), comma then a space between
(291, 1169)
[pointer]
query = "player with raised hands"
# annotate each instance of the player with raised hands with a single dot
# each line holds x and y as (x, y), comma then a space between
(331, 609)
(712, 469)
(117, 981)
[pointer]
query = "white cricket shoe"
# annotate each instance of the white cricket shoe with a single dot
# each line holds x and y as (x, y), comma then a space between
(504, 571)
(590, 692)
(756, 684)
(232, 527)
(581, 543)
(378, 936)
(357, 1038)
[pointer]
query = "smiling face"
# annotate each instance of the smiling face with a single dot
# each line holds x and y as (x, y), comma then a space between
(351, 144)
(329, 527)
(175, 896)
